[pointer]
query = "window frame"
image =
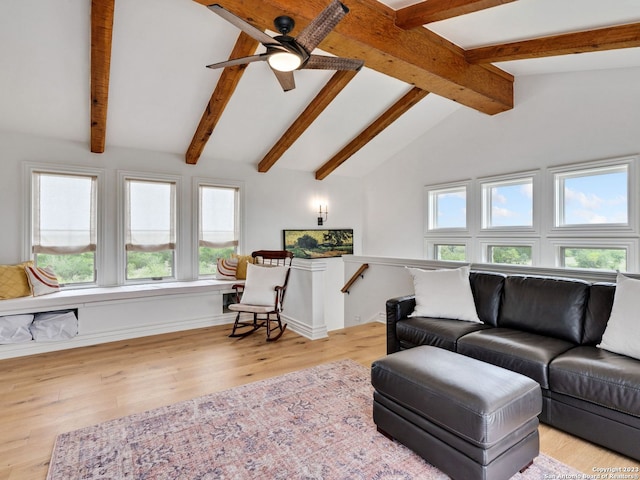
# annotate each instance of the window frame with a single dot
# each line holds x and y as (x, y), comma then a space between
(629, 245)
(431, 245)
(557, 174)
(486, 243)
(197, 182)
(485, 185)
(123, 177)
(30, 168)
(431, 210)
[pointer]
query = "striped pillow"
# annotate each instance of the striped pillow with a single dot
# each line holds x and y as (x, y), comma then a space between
(227, 268)
(42, 280)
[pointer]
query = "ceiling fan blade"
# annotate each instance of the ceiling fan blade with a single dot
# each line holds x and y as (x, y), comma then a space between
(286, 79)
(239, 61)
(246, 27)
(321, 62)
(320, 26)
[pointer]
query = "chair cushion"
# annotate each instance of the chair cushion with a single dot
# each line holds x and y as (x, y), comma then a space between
(261, 283)
(598, 376)
(522, 352)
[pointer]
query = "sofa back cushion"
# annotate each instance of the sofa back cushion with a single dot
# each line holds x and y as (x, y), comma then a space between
(547, 306)
(598, 312)
(487, 293)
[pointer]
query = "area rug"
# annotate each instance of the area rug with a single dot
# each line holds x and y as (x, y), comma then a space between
(311, 424)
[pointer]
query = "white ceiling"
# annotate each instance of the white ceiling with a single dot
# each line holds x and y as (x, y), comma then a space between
(160, 86)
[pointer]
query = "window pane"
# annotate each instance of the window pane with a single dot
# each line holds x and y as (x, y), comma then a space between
(509, 205)
(63, 220)
(209, 258)
(453, 253)
(510, 254)
(150, 216)
(448, 208)
(218, 226)
(64, 213)
(149, 265)
(595, 258)
(72, 268)
(150, 229)
(599, 197)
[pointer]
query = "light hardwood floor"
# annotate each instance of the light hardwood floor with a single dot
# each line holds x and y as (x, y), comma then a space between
(44, 395)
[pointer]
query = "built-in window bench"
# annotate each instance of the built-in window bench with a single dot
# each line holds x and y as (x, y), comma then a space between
(107, 314)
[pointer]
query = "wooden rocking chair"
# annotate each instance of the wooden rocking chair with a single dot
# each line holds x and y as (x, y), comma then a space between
(262, 294)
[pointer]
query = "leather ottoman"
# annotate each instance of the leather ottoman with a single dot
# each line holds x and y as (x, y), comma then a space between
(468, 418)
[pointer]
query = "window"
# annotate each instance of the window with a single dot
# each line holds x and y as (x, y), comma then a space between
(218, 226)
(447, 207)
(598, 258)
(507, 203)
(64, 224)
(150, 229)
(580, 216)
(592, 196)
(450, 252)
(510, 254)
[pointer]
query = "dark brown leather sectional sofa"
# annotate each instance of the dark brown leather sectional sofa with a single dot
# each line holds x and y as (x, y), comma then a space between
(546, 328)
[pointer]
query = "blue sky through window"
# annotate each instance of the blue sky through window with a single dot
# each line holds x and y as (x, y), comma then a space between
(597, 198)
(512, 205)
(451, 209)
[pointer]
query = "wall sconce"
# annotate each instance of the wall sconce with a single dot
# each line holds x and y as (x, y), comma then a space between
(322, 216)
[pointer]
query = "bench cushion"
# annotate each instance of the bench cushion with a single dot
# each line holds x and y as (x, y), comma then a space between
(476, 401)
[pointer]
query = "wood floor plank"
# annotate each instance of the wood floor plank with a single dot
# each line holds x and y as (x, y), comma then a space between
(48, 394)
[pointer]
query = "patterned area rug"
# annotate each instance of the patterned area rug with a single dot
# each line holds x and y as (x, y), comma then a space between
(310, 424)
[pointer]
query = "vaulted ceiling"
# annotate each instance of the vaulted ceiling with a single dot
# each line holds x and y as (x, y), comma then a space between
(423, 60)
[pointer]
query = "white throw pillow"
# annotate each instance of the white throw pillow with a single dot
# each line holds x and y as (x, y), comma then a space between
(260, 285)
(622, 334)
(444, 294)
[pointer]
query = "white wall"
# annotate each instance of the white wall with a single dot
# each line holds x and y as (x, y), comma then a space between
(558, 119)
(280, 199)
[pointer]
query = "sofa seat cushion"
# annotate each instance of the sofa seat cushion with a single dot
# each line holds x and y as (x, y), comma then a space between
(438, 332)
(595, 375)
(523, 352)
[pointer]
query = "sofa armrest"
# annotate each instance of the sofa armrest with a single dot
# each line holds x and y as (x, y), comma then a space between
(397, 309)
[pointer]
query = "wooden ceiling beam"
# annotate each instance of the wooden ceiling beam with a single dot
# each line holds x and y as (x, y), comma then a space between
(229, 78)
(430, 11)
(609, 38)
(101, 38)
(328, 93)
(417, 57)
(383, 121)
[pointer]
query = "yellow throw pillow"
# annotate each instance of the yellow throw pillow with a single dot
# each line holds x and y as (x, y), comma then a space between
(241, 271)
(13, 281)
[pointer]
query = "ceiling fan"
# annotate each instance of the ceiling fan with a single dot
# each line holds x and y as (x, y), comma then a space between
(284, 53)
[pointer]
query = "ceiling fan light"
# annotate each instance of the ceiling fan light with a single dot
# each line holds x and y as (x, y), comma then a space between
(284, 61)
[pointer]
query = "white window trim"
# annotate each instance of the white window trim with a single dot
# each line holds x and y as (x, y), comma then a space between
(631, 228)
(485, 183)
(214, 182)
(430, 214)
(124, 175)
(534, 243)
(28, 169)
(629, 245)
(431, 243)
